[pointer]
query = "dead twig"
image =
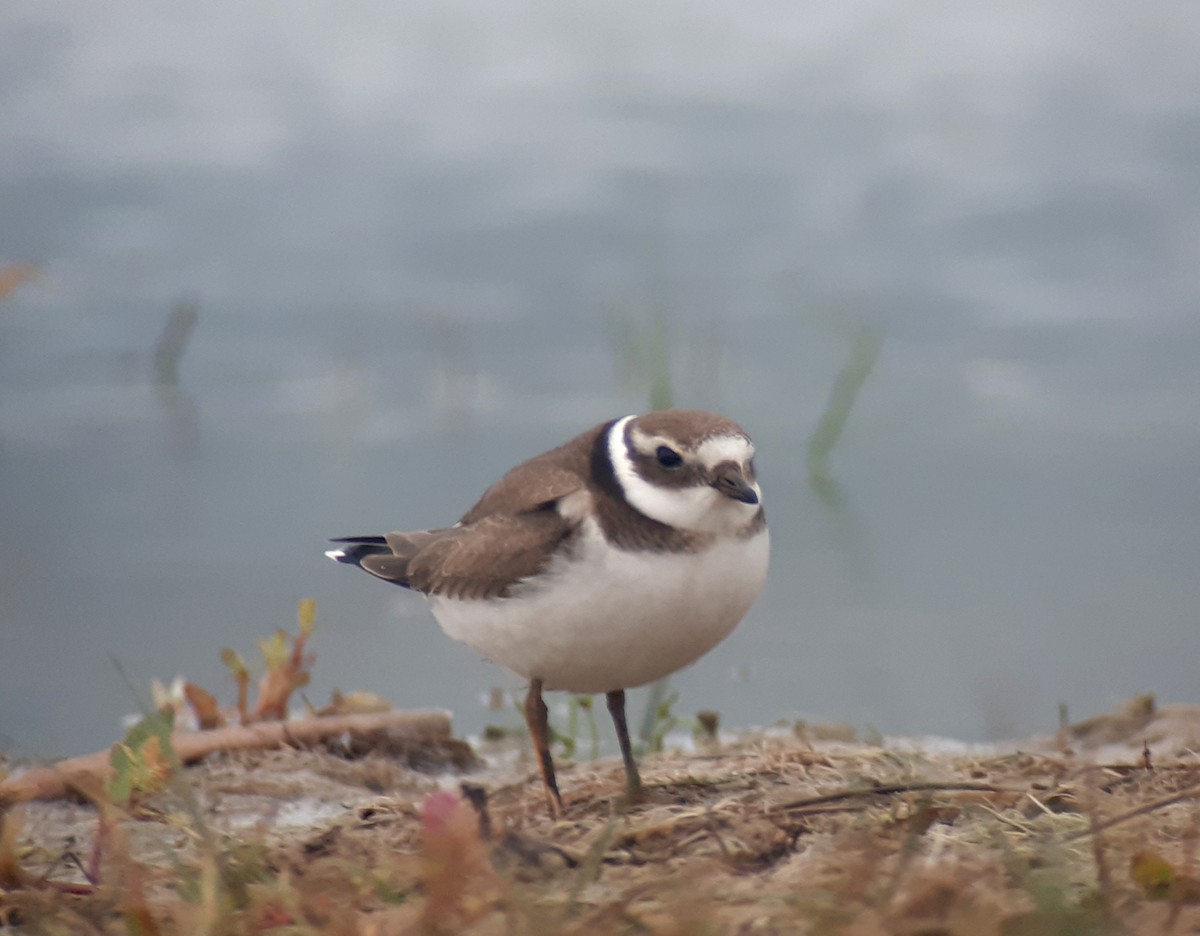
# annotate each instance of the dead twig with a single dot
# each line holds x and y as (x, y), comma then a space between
(91, 770)
(890, 789)
(1142, 810)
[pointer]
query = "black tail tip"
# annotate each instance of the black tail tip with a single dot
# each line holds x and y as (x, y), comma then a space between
(356, 547)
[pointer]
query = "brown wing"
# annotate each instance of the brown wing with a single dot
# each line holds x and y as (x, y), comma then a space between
(542, 480)
(479, 560)
(508, 535)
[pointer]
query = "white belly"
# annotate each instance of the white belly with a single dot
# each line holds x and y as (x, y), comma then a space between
(607, 619)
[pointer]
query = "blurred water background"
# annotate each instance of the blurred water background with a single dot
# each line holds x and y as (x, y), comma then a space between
(421, 241)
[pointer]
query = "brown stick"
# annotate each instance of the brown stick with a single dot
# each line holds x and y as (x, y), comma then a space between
(88, 772)
(890, 789)
(1099, 826)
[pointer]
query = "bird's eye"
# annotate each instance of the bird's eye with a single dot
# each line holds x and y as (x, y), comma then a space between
(668, 457)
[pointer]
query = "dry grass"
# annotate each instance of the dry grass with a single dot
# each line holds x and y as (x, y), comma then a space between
(772, 834)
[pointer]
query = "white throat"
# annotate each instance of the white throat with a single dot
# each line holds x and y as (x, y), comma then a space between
(701, 508)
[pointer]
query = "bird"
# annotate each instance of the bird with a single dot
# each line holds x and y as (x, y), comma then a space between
(619, 557)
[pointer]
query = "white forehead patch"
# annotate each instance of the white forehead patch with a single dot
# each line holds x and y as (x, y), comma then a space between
(701, 508)
(735, 448)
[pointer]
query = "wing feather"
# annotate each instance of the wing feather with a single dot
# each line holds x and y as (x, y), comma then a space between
(509, 535)
(541, 481)
(486, 559)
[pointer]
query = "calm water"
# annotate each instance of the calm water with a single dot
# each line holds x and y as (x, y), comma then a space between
(412, 232)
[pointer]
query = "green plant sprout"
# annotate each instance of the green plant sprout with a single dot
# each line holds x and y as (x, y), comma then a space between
(864, 352)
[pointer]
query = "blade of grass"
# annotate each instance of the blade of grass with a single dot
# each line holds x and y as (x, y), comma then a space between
(864, 352)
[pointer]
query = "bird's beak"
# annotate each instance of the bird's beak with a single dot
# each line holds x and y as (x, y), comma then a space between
(730, 481)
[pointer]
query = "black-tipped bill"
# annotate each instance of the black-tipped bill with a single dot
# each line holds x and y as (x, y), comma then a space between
(729, 480)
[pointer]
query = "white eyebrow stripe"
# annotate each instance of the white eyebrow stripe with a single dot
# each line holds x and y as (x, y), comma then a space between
(722, 448)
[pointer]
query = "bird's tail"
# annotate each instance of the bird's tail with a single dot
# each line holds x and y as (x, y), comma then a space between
(372, 554)
(355, 548)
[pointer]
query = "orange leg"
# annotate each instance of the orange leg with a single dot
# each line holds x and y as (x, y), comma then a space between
(538, 719)
(616, 708)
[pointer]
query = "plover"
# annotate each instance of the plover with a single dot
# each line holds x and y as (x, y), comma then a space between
(621, 556)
